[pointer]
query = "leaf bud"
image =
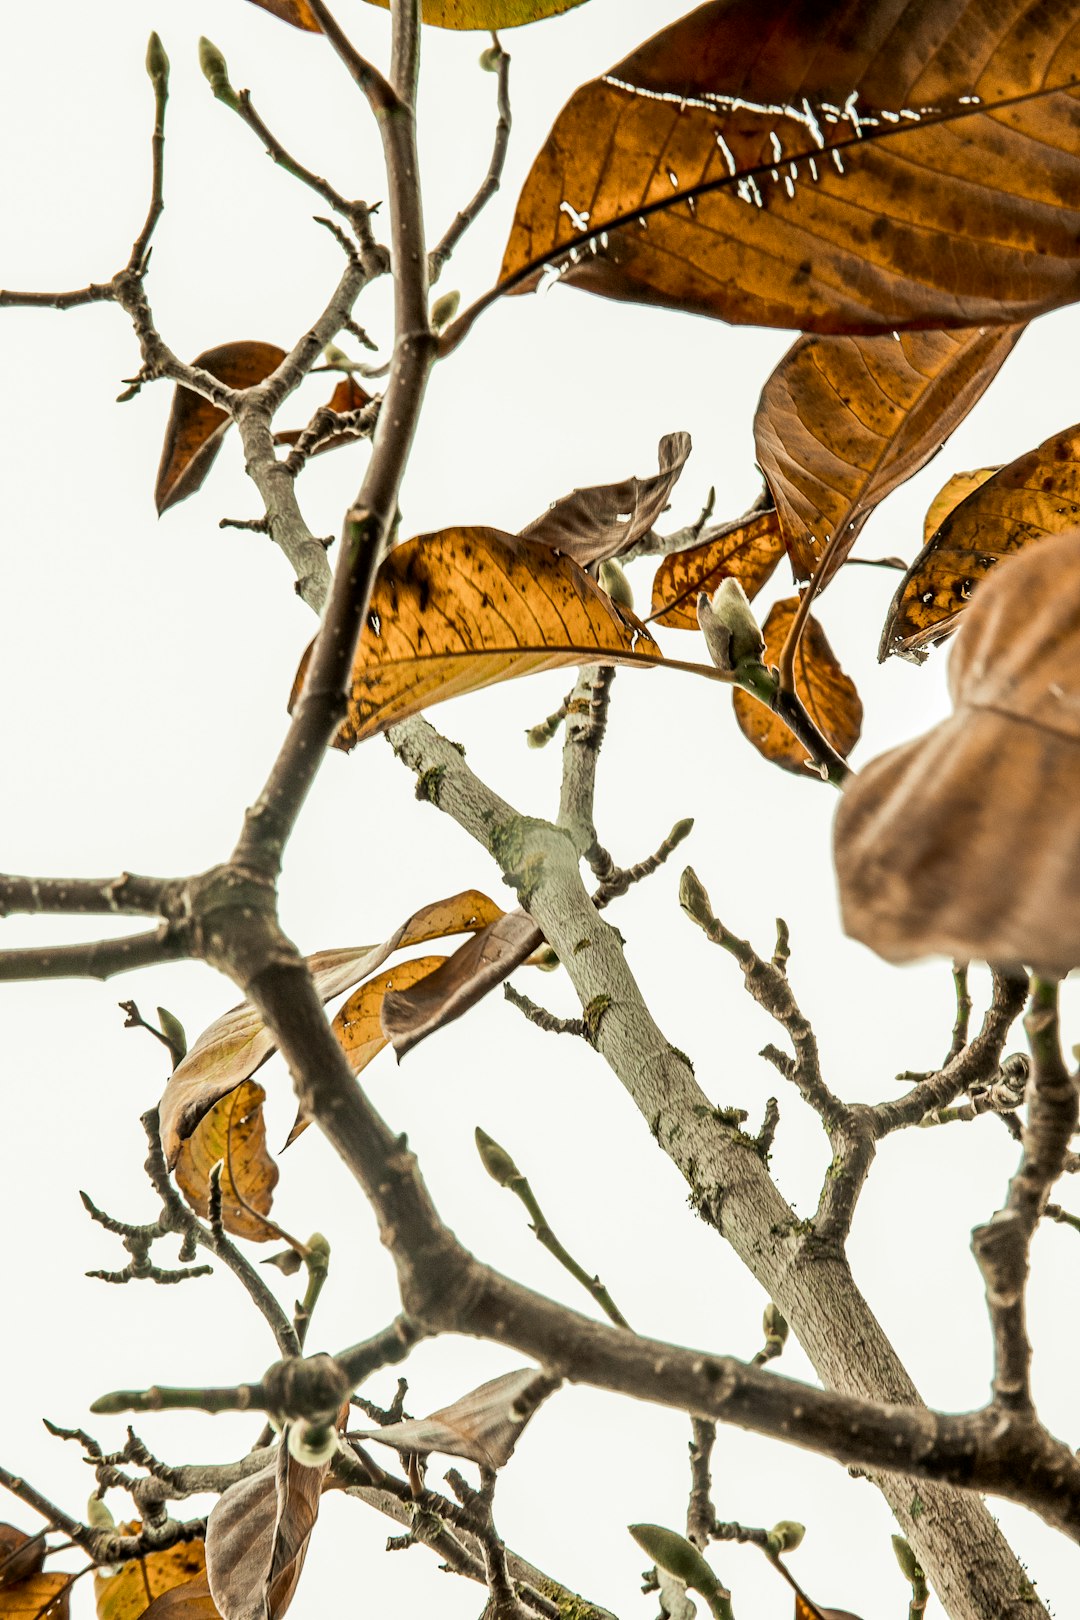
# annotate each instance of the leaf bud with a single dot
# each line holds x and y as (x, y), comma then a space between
(174, 1032)
(732, 634)
(157, 64)
(490, 59)
(495, 1159)
(676, 1555)
(695, 900)
(545, 959)
(682, 829)
(444, 309)
(312, 1444)
(614, 581)
(98, 1515)
(785, 1537)
(774, 1325)
(910, 1567)
(216, 73)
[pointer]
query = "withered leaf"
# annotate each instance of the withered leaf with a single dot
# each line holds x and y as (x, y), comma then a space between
(195, 428)
(20, 1555)
(964, 842)
(828, 694)
(474, 14)
(192, 1601)
(136, 1585)
(594, 524)
(38, 1597)
(1034, 496)
(949, 496)
(409, 1015)
(357, 1024)
(843, 421)
(347, 396)
(235, 1045)
(461, 609)
(853, 176)
(233, 1131)
(257, 1539)
(483, 1426)
(747, 549)
(805, 1610)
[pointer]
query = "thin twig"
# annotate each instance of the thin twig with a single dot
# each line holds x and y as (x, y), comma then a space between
(491, 181)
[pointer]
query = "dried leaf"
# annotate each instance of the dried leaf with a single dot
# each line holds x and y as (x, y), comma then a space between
(963, 842)
(747, 550)
(1034, 496)
(234, 1131)
(192, 1601)
(297, 12)
(357, 1025)
(138, 1584)
(949, 496)
(805, 1610)
(461, 609)
(594, 524)
(20, 1555)
(476, 967)
(477, 14)
(843, 421)
(483, 1426)
(36, 1597)
(829, 694)
(826, 168)
(196, 428)
(257, 1538)
(347, 396)
(236, 1044)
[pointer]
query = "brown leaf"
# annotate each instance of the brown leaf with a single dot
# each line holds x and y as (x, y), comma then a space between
(461, 609)
(747, 550)
(137, 1584)
(192, 1601)
(257, 1539)
(805, 1610)
(949, 496)
(484, 14)
(1034, 496)
(843, 420)
(594, 524)
(963, 842)
(235, 1045)
(195, 428)
(357, 1026)
(483, 1426)
(234, 1131)
(829, 694)
(788, 185)
(347, 396)
(297, 12)
(36, 1597)
(476, 967)
(20, 1555)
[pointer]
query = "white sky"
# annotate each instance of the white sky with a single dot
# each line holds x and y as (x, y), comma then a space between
(147, 667)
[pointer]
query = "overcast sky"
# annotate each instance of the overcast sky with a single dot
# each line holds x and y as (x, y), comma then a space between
(146, 667)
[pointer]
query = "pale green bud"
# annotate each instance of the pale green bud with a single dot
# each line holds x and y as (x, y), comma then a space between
(785, 1536)
(732, 634)
(444, 309)
(694, 899)
(774, 1324)
(157, 64)
(174, 1032)
(910, 1567)
(495, 1159)
(98, 1515)
(490, 59)
(216, 73)
(613, 580)
(673, 1553)
(312, 1445)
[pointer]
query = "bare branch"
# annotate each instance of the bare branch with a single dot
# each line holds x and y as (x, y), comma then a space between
(97, 959)
(491, 181)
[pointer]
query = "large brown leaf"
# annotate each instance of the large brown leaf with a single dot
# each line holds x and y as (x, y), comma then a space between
(234, 1131)
(828, 694)
(192, 1601)
(843, 420)
(461, 609)
(483, 1426)
(747, 549)
(20, 1555)
(38, 1597)
(857, 167)
(257, 1539)
(593, 524)
(135, 1586)
(964, 842)
(1036, 495)
(409, 1015)
(195, 428)
(236, 1044)
(484, 14)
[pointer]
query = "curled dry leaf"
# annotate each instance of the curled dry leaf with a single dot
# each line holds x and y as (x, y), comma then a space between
(257, 1538)
(964, 842)
(236, 1044)
(441, 13)
(483, 1426)
(195, 428)
(234, 1134)
(136, 1585)
(747, 550)
(843, 421)
(409, 1015)
(461, 609)
(356, 1025)
(828, 694)
(594, 524)
(1034, 496)
(855, 176)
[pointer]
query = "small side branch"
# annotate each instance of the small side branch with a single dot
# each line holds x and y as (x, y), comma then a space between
(126, 895)
(492, 180)
(97, 959)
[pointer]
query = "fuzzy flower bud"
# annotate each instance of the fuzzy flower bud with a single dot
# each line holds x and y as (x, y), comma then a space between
(157, 65)
(613, 580)
(216, 72)
(785, 1536)
(694, 899)
(495, 1159)
(732, 634)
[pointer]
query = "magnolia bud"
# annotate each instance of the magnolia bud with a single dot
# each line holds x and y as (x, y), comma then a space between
(98, 1515)
(312, 1445)
(676, 1555)
(732, 634)
(614, 581)
(216, 73)
(157, 64)
(495, 1159)
(694, 899)
(774, 1325)
(785, 1536)
(173, 1031)
(444, 309)
(490, 59)
(910, 1567)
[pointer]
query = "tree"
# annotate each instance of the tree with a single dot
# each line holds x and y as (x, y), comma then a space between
(226, 919)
